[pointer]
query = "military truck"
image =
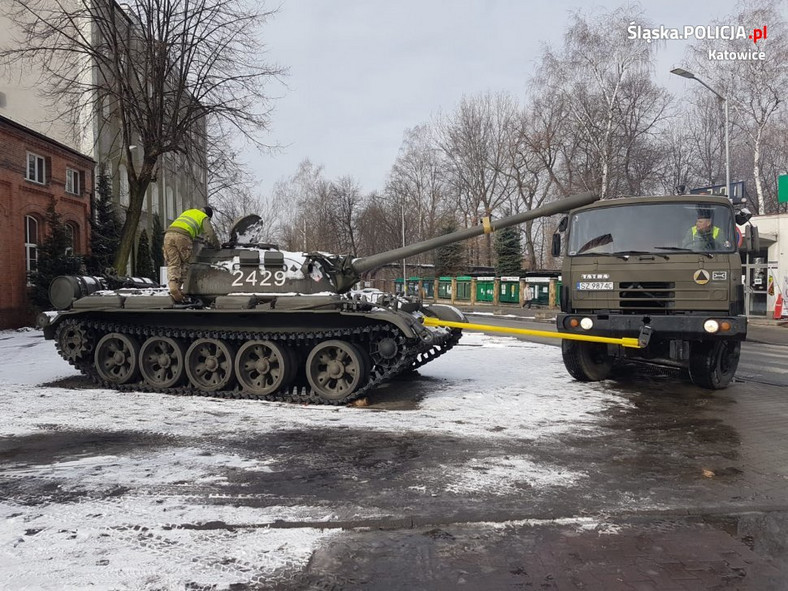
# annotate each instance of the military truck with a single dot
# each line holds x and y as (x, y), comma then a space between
(639, 267)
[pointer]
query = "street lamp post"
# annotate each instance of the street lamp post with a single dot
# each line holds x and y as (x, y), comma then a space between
(404, 270)
(685, 74)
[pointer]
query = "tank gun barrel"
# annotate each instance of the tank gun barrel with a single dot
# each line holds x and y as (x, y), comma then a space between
(363, 264)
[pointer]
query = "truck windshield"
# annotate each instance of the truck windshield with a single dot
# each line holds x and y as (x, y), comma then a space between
(652, 228)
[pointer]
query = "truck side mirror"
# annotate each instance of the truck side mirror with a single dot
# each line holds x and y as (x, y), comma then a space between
(743, 216)
(563, 223)
(555, 250)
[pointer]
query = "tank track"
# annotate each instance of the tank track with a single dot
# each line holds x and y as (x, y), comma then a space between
(298, 394)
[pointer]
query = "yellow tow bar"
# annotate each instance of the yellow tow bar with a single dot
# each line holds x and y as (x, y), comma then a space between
(630, 342)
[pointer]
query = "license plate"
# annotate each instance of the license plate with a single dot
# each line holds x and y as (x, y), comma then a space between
(595, 285)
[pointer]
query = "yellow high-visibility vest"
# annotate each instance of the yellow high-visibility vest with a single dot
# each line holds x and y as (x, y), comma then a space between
(714, 233)
(191, 221)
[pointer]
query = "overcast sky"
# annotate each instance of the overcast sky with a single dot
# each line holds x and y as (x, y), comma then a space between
(361, 72)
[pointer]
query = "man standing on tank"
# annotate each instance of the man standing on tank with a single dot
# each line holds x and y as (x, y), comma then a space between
(178, 243)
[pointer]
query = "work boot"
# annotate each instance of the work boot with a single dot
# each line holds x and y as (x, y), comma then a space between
(176, 293)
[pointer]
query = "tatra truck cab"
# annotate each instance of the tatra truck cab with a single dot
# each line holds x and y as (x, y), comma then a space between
(664, 269)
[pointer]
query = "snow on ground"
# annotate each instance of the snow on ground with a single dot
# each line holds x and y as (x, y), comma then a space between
(487, 388)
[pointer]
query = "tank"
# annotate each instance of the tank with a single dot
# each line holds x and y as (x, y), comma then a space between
(260, 322)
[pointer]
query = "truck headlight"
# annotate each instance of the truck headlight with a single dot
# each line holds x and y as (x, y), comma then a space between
(711, 326)
(586, 323)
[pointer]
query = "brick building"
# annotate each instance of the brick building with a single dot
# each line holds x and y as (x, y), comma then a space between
(34, 170)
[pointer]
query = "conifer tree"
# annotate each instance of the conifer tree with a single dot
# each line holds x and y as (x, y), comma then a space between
(104, 229)
(509, 251)
(55, 257)
(144, 261)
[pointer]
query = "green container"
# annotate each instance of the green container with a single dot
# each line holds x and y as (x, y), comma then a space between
(485, 291)
(428, 285)
(510, 292)
(542, 293)
(444, 288)
(463, 288)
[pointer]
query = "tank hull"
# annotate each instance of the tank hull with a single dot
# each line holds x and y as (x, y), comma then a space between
(333, 352)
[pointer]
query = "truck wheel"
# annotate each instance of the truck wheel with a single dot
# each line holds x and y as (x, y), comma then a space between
(712, 365)
(586, 362)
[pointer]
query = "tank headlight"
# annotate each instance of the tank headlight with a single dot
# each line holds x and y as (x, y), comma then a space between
(586, 323)
(711, 326)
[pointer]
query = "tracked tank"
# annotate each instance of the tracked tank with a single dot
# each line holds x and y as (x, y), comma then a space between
(260, 322)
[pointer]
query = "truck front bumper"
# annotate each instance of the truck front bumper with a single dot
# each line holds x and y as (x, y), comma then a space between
(683, 327)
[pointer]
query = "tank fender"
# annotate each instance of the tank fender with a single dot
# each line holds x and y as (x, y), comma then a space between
(444, 312)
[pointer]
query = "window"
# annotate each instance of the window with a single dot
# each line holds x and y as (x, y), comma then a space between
(36, 168)
(72, 182)
(650, 228)
(31, 243)
(71, 244)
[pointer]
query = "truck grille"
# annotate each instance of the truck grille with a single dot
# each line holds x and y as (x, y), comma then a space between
(646, 295)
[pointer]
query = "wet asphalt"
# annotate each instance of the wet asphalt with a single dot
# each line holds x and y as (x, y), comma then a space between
(685, 489)
(688, 489)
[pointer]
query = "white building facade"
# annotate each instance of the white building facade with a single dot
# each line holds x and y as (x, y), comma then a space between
(179, 184)
(766, 270)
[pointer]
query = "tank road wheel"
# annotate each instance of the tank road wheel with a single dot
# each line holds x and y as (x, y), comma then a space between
(586, 362)
(713, 364)
(117, 358)
(73, 341)
(209, 364)
(335, 369)
(263, 367)
(161, 362)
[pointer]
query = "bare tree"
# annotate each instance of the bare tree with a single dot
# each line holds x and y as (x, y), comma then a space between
(529, 165)
(299, 201)
(163, 69)
(416, 190)
(754, 88)
(345, 202)
(473, 141)
(379, 225)
(318, 214)
(595, 78)
(644, 114)
(680, 158)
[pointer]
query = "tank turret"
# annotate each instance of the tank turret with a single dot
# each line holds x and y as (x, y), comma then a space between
(261, 322)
